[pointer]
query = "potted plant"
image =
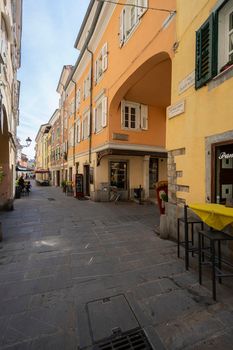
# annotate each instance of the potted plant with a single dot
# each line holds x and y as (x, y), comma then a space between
(64, 185)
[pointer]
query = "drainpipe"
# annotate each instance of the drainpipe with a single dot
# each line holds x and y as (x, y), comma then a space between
(91, 104)
(75, 92)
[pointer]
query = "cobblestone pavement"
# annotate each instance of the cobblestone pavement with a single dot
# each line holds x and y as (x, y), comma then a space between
(59, 253)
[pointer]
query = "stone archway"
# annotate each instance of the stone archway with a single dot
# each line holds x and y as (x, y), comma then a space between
(149, 85)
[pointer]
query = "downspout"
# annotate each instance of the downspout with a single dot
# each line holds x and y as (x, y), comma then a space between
(91, 104)
(75, 92)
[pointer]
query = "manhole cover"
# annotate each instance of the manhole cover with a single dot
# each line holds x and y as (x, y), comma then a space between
(51, 199)
(114, 325)
(136, 339)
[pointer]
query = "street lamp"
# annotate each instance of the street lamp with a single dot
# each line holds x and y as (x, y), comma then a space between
(28, 142)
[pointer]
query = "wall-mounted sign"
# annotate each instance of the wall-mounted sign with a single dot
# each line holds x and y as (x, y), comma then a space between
(176, 109)
(186, 83)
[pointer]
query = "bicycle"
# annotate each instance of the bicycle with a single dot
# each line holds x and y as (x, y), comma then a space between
(114, 194)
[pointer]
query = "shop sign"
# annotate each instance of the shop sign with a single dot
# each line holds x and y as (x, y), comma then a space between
(186, 83)
(176, 109)
(225, 155)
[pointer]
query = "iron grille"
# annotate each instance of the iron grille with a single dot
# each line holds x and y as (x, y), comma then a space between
(135, 339)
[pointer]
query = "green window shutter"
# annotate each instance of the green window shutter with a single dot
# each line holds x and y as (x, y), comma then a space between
(204, 52)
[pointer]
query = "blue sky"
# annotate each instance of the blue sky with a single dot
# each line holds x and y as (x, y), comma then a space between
(50, 28)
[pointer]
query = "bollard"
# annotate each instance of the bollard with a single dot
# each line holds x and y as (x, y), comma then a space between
(163, 226)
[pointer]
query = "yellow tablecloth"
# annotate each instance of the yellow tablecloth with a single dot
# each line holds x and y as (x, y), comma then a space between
(215, 215)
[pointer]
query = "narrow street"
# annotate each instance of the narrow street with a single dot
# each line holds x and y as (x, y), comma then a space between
(58, 254)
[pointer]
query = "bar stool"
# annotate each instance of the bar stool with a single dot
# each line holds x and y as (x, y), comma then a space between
(188, 243)
(215, 260)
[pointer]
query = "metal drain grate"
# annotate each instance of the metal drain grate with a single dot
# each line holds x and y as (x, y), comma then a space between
(135, 339)
(51, 199)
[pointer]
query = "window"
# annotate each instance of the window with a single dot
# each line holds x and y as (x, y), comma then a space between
(134, 116)
(4, 40)
(225, 34)
(101, 64)
(78, 131)
(214, 44)
(100, 115)
(222, 177)
(71, 111)
(71, 136)
(86, 125)
(87, 86)
(130, 16)
(118, 175)
(78, 99)
(58, 133)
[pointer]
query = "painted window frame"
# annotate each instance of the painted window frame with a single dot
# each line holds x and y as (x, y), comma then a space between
(141, 116)
(210, 44)
(86, 125)
(130, 17)
(101, 63)
(100, 114)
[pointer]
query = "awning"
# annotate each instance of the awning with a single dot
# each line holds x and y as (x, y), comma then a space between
(19, 168)
(42, 171)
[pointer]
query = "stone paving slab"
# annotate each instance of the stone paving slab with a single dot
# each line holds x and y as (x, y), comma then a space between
(59, 255)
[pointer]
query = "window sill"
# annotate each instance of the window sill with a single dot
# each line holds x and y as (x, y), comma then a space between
(220, 78)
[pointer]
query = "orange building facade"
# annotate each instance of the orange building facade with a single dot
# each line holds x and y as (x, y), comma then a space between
(113, 101)
(117, 95)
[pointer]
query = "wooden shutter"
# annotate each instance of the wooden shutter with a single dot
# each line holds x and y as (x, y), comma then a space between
(122, 28)
(95, 71)
(142, 7)
(105, 57)
(122, 114)
(144, 117)
(78, 100)
(204, 53)
(104, 111)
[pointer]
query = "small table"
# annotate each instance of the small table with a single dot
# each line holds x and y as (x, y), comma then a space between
(214, 215)
(217, 217)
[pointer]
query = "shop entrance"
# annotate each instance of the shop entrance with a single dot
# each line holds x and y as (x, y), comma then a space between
(222, 166)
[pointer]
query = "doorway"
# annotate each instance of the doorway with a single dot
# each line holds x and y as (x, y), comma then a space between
(222, 172)
(86, 180)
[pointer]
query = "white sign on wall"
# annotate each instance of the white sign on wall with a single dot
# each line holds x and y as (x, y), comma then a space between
(186, 83)
(176, 109)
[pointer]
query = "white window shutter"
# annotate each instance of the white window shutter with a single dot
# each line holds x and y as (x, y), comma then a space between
(94, 120)
(105, 57)
(143, 5)
(104, 111)
(79, 130)
(144, 117)
(122, 28)
(88, 123)
(95, 71)
(122, 114)
(82, 127)
(89, 82)
(78, 100)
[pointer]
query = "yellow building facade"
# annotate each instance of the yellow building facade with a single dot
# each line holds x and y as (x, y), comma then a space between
(117, 95)
(199, 136)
